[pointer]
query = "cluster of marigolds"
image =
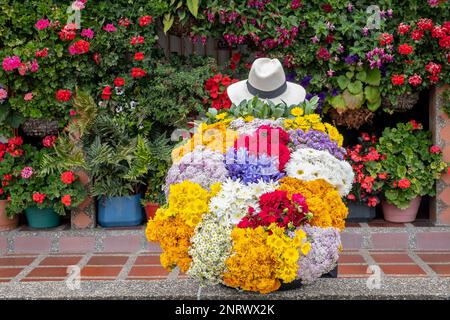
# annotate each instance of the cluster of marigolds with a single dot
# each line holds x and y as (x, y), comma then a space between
(251, 206)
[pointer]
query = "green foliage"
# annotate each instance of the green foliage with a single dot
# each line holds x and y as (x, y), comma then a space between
(407, 156)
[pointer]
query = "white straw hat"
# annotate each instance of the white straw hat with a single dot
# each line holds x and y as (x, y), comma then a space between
(267, 81)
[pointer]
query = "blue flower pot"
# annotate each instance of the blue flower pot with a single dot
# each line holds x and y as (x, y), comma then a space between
(42, 218)
(120, 211)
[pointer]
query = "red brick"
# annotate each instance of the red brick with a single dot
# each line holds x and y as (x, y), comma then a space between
(15, 261)
(98, 278)
(384, 224)
(154, 247)
(345, 269)
(351, 258)
(406, 269)
(107, 260)
(145, 278)
(9, 272)
(445, 196)
(433, 241)
(444, 217)
(445, 133)
(148, 271)
(128, 243)
(82, 220)
(49, 272)
(446, 153)
(147, 260)
(434, 257)
(351, 240)
(32, 244)
(5, 280)
(390, 240)
(441, 269)
(3, 245)
(392, 258)
(60, 261)
(100, 271)
(76, 244)
(445, 177)
(352, 225)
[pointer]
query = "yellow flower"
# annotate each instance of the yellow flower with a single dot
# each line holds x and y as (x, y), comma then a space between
(297, 112)
(249, 118)
(221, 116)
(306, 247)
(291, 254)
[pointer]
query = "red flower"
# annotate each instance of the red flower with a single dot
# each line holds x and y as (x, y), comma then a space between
(119, 82)
(106, 93)
(327, 7)
(66, 200)
(415, 125)
(438, 32)
(7, 177)
(137, 73)
(79, 47)
(137, 40)
(415, 80)
(15, 141)
(445, 42)
(323, 54)
(97, 58)
(145, 20)
(417, 35)
(63, 95)
(68, 32)
(236, 57)
(49, 141)
(124, 22)
(38, 197)
(67, 177)
(404, 183)
(372, 201)
(386, 38)
(425, 24)
(41, 53)
(226, 81)
(351, 197)
(138, 56)
(382, 176)
(435, 149)
(329, 38)
(403, 29)
(405, 49)
(398, 79)
(433, 68)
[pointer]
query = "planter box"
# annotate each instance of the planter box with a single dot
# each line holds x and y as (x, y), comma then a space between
(360, 213)
(42, 218)
(120, 211)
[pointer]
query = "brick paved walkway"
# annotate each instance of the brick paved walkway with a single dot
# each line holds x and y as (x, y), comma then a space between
(146, 265)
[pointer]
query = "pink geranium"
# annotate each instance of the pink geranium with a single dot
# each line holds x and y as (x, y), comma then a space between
(109, 28)
(87, 33)
(11, 63)
(42, 24)
(28, 96)
(3, 94)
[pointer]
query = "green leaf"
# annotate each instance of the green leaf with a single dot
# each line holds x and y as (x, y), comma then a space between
(167, 22)
(349, 75)
(343, 82)
(338, 102)
(355, 87)
(373, 77)
(372, 94)
(361, 76)
(193, 6)
(353, 101)
(373, 106)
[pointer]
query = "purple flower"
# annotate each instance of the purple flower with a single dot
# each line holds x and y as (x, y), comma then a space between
(314, 39)
(351, 59)
(365, 31)
(291, 76)
(251, 169)
(324, 253)
(317, 140)
(390, 12)
(306, 81)
(349, 7)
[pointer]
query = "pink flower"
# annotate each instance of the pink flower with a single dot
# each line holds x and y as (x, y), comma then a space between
(87, 33)
(72, 113)
(34, 66)
(28, 96)
(11, 63)
(41, 53)
(435, 149)
(3, 94)
(415, 80)
(26, 172)
(42, 24)
(78, 5)
(109, 28)
(49, 141)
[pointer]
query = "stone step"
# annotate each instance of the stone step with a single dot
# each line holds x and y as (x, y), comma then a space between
(355, 237)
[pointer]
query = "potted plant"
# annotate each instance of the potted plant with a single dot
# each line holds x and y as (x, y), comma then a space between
(11, 156)
(364, 196)
(412, 164)
(43, 196)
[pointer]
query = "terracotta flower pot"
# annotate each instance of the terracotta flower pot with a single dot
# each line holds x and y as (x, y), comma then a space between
(5, 222)
(150, 209)
(394, 214)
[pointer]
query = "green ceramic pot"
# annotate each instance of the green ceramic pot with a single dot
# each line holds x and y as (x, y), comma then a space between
(42, 218)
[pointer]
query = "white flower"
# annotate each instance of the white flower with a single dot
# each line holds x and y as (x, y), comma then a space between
(310, 164)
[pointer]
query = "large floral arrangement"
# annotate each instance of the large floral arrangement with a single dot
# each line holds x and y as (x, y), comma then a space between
(255, 202)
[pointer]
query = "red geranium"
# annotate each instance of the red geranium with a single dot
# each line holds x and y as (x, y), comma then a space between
(405, 49)
(66, 200)
(417, 35)
(63, 95)
(49, 141)
(41, 53)
(403, 29)
(415, 80)
(137, 73)
(435, 149)
(323, 54)
(145, 20)
(327, 7)
(67, 177)
(425, 24)
(38, 197)
(119, 82)
(398, 79)
(137, 40)
(217, 86)
(106, 93)
(138, 56)
(404, 183)
(386, 38)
